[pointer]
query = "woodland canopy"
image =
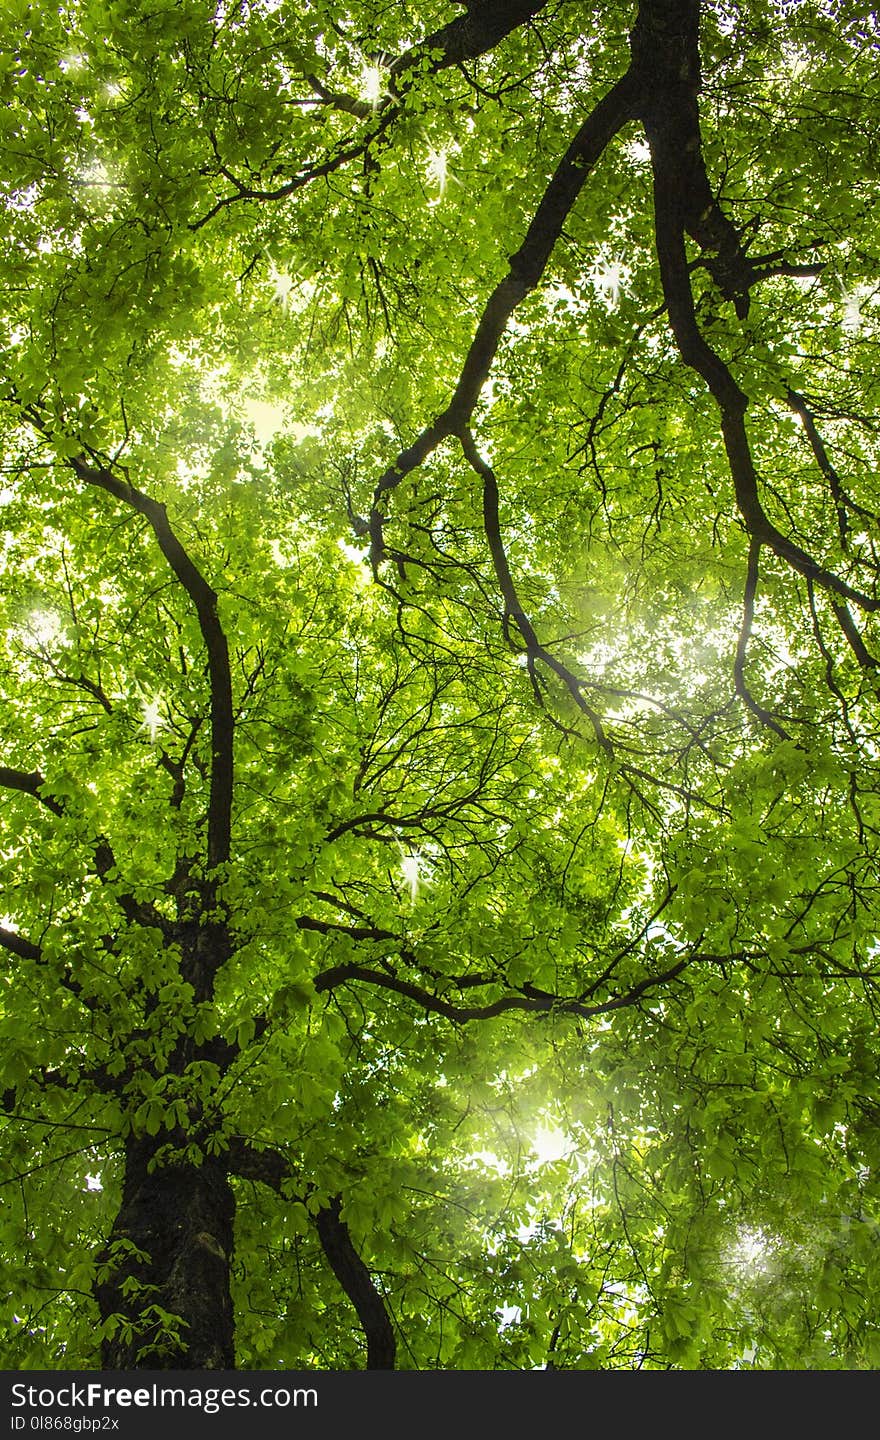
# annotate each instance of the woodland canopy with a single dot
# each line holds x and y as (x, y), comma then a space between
(439, 755)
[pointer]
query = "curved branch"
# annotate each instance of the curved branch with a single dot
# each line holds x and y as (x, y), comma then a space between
(354, 932)
(465, 38)
(17, 945)
(272, 1168)
(29, 782)
(513, 606)
(666, 57)
(204, 600)
(531, 1000)
(376, 935)
(471, 35)
(526, 267)
(357, 1282)
(742, 689)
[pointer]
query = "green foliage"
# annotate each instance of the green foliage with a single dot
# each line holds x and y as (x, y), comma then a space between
(542, 937)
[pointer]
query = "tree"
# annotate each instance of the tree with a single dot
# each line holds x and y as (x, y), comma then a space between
(440, 759)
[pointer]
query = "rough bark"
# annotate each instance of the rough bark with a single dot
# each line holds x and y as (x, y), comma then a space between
(180, 1218)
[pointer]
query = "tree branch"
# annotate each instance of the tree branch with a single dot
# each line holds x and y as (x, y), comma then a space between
(17, 945)
(526, 267)
(268, 1166)
(817, 445)
(665, 57)
(513, 606)
(665, 51)
(25, 949)
(471, 35)
(465, 38)
(742, 689)
(29, 782)
(358, 1284)
(272, 1168)
(535, 1001)
(204, 600)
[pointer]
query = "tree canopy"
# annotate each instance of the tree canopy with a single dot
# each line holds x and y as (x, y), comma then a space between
(440, 733)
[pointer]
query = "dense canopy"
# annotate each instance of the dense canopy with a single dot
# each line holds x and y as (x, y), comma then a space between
(440, 749)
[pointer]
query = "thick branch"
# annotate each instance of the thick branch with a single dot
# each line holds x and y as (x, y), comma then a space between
(526, 267)
(357, 1282)
(271, 1167)
(376, 935)
(17, 945)
(665, 54)
(665, 50)
(268, 1167)
(29, 782)
(204, 600)
(470, 35)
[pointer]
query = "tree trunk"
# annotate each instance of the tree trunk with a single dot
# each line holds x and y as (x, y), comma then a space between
(180, 1218)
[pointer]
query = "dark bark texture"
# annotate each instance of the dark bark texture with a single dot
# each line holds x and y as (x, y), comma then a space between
(181, 1219)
